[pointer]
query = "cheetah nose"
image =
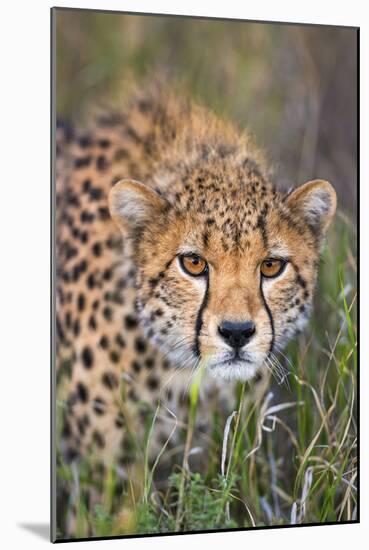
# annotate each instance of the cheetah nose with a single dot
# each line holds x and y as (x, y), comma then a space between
(236, 334)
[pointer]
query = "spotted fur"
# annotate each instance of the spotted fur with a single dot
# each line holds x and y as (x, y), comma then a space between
(135, 191)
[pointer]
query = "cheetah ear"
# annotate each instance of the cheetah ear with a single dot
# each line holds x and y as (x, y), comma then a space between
(132, 204)
(316, 202)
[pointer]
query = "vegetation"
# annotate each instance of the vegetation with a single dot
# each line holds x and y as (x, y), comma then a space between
(290, 458)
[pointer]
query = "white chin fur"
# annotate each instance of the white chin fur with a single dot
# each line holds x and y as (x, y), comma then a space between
(239, 370)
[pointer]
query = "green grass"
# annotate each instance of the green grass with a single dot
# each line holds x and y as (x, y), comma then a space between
(290, 458)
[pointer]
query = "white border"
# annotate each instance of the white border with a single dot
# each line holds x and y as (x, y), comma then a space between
(24, 261)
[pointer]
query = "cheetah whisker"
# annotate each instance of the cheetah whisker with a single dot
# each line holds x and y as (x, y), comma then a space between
(284, 373)
(273, 368)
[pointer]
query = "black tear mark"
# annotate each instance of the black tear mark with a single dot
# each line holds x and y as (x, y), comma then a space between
(199, 319)
(269, 315)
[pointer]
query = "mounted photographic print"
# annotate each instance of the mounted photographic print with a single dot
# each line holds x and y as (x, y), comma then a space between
(204, 343)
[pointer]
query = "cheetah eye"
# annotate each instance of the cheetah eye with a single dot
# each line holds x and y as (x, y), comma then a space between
(193, 264)
(272, 267)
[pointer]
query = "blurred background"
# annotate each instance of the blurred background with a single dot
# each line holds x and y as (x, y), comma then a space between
(294, 87)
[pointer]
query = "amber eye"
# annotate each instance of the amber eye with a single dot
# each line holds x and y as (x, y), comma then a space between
(272, 267)
(193, 265)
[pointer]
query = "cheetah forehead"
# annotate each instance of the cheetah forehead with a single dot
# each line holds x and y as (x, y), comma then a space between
(229, 220)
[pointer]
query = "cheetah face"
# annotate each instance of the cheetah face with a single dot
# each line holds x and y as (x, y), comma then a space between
(228, 285)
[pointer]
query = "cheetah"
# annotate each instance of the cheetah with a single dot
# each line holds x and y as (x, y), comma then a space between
(175, 251)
